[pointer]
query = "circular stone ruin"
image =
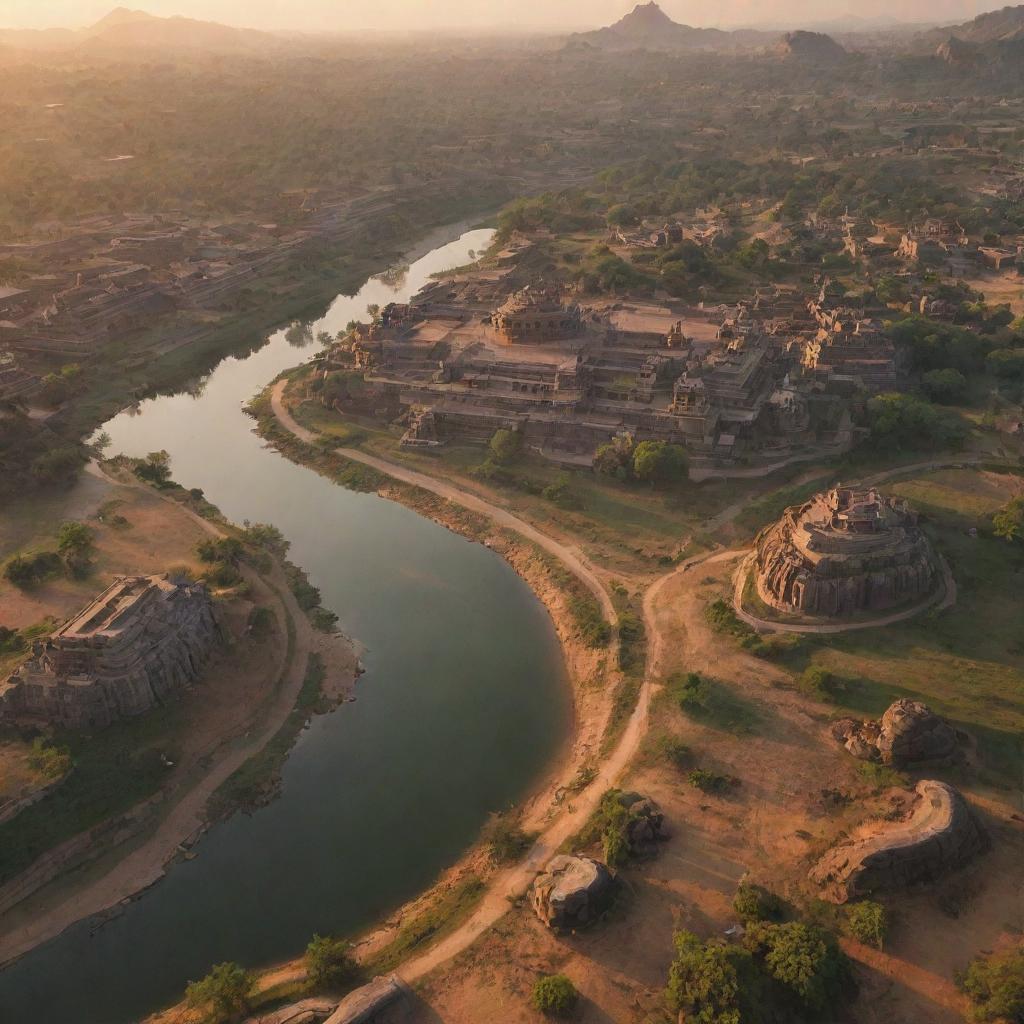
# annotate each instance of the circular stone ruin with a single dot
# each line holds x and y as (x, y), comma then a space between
(842, 553)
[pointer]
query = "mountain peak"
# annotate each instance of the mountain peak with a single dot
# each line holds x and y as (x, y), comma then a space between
(648, 16)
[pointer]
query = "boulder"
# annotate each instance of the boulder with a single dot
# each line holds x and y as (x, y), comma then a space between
(364, 1004)
(646, 825)
(941, 834)
(908, 734)
(572, 892)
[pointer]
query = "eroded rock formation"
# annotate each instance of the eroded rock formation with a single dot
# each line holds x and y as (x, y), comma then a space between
(909, 733)
(844, 552)
(572, 892)
(940, 834)
(363, 1005)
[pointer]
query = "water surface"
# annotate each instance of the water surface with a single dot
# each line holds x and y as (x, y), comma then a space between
(463, 706)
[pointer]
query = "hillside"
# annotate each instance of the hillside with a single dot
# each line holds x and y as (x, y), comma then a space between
(1006, 25)
(811, 46)
(648, 27)
(124, 29)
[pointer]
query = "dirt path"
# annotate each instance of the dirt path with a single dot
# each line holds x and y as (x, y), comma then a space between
(515, 881)
(146, 864)
(571, 556)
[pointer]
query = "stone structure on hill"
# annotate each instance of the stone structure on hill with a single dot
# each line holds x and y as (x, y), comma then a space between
(572, 892)
(535, 316)
(140, 641)
(908, 734)
(844, 552)
(940, 834)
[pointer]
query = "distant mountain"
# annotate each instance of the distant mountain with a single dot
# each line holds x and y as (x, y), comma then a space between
(648, 27)
(957, 52)
(1002, 26)
(815, 47)
(124, 30)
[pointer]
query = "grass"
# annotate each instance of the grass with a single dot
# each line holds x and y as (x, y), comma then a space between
(440, 918)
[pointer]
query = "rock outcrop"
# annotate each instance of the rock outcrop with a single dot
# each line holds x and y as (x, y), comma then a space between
(908, 734)
(646, 825)
(813, 47)
(363, 1005)
(842, 553)
(572, 892)
(941, 834)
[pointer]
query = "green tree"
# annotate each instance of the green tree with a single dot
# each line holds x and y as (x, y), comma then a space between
(554, 995)
(659, 462)
(1008, 522)
(154, 468)
(329, 961)
(945, 386)
(868, 922)
(995, 986)
(804, 958)
(755, 903)
(1006, 362)
(74, 539)
(616, 457)
(223, 993)
(505, 446)
(703, 982)
(903, 422)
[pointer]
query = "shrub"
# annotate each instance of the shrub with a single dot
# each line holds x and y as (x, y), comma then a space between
(224, 992)
(505, 840)
(868, 922)
(710, 782)
(53, 762)
(754, 903)
(74, 539)
(675, 751)
(220, 549)
(818, 683)
(329, 962)
(155, 468)
(1008, 522)
(995, 986)
(26, 570)
(659, 462)
(504, 447)
(554, 995)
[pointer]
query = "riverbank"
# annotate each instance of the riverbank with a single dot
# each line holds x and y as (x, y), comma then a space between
(228, 736)
(574, 787)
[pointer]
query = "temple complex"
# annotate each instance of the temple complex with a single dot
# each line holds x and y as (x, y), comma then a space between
(844, 552)
(535, 315)
(140, 641)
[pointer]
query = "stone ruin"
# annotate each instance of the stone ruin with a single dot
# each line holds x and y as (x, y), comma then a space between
(572, 892)
(139, 642)
(845, 552)
(908, 734)
(940, 835)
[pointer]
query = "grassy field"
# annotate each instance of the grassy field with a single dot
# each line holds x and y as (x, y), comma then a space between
(966, 662)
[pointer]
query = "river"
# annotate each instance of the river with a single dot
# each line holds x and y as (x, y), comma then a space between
(463, 707)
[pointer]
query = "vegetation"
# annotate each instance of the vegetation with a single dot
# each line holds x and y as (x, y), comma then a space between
(1008, 522)
(995, 986)
(901, 422)
(711, 702)
(505, 840)
(329, 963)
(754, 903)
(223, 993)
(868, 922)
(554, 995)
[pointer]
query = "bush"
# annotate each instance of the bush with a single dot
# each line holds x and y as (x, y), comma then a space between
(224, 992)
(995, 986)
(505, 840)
(25, 571)
(1008, 522)
(155, 468)
(754, 903)
(710, 782)
(659, 462)
(53, 762)
(505, 446)
(818, 683)
(675, 751)
(329, 962)
(554, 995)
(868, 923)
(220, 549)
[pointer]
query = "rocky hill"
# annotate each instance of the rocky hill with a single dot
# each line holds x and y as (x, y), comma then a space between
(811, 46)
(1006, 25)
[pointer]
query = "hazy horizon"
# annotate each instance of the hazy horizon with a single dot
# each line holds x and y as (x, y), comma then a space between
(483, 15)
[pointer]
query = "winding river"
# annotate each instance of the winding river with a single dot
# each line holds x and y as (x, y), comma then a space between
(462, 708)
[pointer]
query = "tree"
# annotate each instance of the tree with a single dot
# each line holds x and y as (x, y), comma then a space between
(1006, 362)
(504, 446)
(804, 958)
(329, 961)
(755, 903)
(995, 986)
(703, 982)
(1008, 522)
(868, 922)
(155, 468)
(658, 462)
(616, 457)
(903, 422)
(945, 386)
(224, 991)
(74, 539)
(554, 995)
(228, 550)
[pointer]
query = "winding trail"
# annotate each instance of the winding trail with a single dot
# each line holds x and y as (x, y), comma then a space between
(515, 881)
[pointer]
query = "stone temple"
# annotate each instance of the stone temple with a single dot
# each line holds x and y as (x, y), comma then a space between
(844, 552)
(141, 640)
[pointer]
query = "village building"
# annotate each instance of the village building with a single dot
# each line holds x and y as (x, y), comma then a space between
(132, 648)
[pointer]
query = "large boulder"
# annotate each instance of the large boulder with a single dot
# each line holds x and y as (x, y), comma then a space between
(572, 892)
(941, 834)
(364, 1004)
(646, 824)
(908, 734)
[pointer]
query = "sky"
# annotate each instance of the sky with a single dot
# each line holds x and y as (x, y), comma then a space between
(552, 15)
